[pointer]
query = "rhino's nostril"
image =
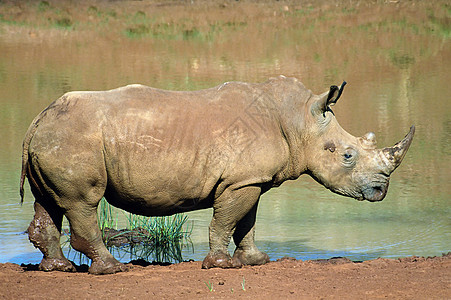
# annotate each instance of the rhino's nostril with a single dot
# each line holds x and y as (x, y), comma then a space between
(378, 192)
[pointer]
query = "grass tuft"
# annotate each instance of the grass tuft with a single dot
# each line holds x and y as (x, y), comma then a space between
(43, 6)
(191, 34)
(64, 23)
(402, 61)
(159, 239)
(162, 238)
(137, 31)
(93, 10)
(209, 285)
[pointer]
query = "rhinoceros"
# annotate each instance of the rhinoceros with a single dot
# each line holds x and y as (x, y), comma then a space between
(155, 152)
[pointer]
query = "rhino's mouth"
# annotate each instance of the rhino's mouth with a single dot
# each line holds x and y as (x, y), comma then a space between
(375, 192)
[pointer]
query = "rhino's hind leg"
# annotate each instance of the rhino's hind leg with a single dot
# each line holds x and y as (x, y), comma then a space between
(246, 251)
(44, 232)
(229, 209)
(87, 238)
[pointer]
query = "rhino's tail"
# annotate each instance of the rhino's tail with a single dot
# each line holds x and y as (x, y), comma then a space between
(25, 163)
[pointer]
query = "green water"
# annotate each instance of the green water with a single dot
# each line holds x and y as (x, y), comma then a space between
(396, 77)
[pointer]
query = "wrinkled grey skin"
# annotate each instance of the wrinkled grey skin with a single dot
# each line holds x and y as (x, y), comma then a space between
(154, 152)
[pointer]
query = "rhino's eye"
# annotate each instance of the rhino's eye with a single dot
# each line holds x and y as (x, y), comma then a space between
(349, 157)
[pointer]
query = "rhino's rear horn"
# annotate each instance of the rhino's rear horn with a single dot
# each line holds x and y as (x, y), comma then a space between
(395, 154)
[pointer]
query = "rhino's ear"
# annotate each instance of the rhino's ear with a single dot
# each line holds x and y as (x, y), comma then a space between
(328, 99)
(335, 93)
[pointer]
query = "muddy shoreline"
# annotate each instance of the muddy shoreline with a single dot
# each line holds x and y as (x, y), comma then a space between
(338, 278)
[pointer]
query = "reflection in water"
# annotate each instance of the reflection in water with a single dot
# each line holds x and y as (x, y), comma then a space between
(398, 75)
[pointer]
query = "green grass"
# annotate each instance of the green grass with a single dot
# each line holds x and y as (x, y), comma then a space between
(158, 239)
(105, 216)
(163, 237)
(5, 20)
(137, 31)
(401, 60)
(440, 25)
(302, 12)
(63, 23)
(209, 285)
(43, 6)
(348, 11)
(139, 26)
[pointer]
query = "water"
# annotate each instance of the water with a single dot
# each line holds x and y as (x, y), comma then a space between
(397, 69)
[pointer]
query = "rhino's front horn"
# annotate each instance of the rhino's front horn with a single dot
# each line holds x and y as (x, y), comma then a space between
(394, 155)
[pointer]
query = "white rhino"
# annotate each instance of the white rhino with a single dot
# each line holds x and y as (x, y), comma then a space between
(154, 152)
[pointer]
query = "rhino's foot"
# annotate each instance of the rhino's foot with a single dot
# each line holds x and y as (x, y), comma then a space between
(55, 264)
(254, 257)
(100, 267)
(220, 260)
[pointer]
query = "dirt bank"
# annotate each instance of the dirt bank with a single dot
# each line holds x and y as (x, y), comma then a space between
(406, 278)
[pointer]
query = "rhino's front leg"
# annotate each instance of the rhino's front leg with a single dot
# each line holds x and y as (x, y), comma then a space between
(228, 210)
(246, 251)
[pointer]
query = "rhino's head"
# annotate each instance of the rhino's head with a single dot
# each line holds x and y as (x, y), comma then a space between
(348, 165)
